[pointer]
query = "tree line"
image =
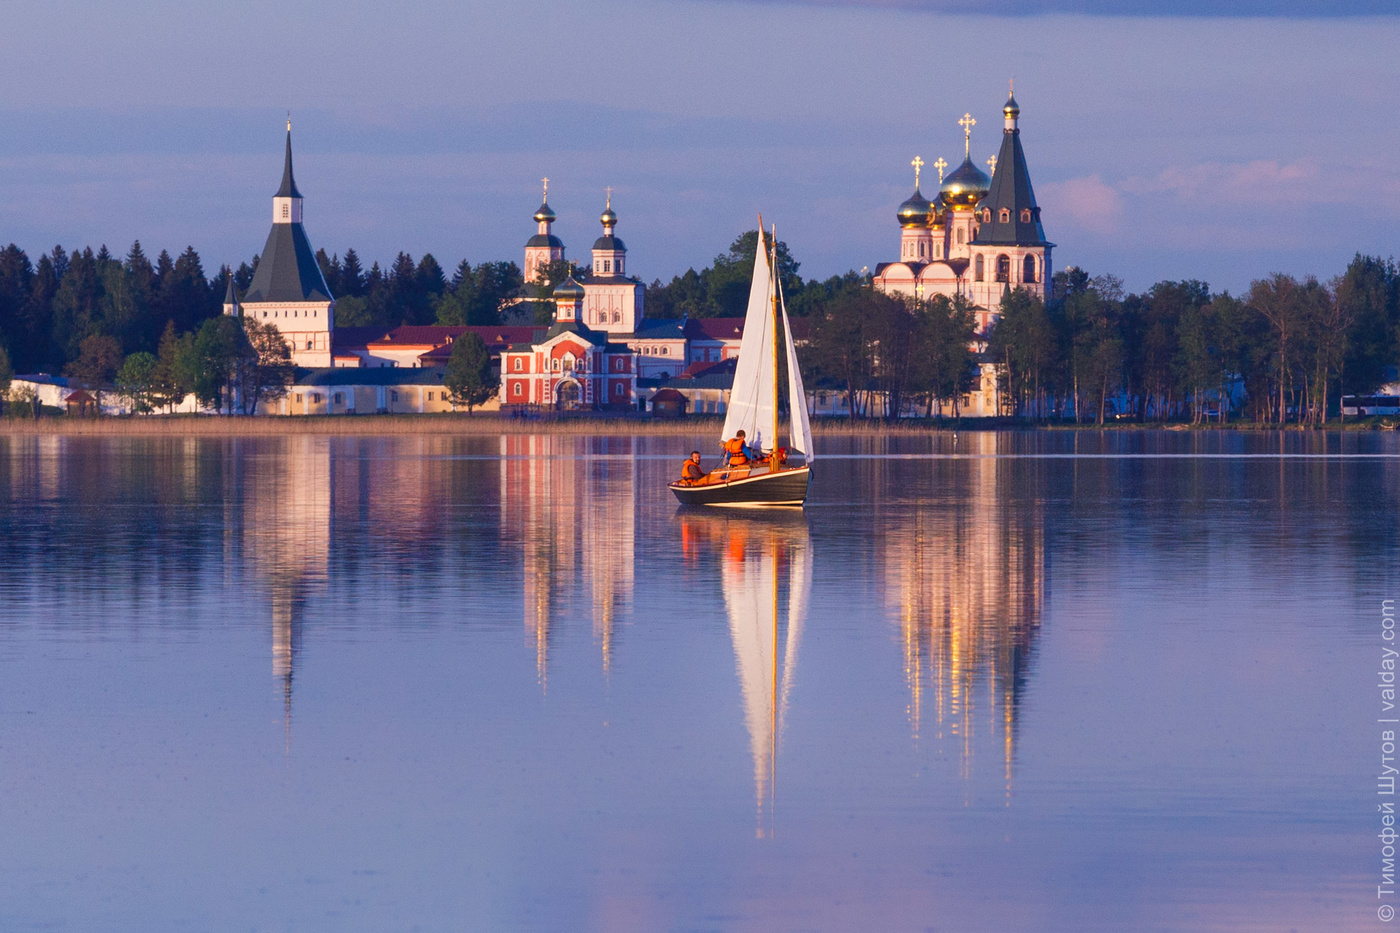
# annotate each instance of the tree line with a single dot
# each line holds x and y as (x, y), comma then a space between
(49, 306)
(1284, 351)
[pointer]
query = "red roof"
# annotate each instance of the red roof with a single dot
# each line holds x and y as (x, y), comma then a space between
(495, 337)
(668, 395)
(420, 335)
(704, 368)
(355, 338)
(714, 328)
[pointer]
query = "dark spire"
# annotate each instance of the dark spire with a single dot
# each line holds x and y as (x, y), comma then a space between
(229, 298)
(1011, 191)
(289, 185)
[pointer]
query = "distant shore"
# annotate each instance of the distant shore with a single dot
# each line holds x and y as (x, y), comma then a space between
(493, 424)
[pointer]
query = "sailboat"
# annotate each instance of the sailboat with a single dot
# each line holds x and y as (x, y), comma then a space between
(769, 480)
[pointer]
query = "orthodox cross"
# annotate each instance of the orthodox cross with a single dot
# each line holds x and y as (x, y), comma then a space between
(609, 191)
(940, 165)
(993, 163)
(546, 188)
(918, 164)
(289, 121)
(967, 123)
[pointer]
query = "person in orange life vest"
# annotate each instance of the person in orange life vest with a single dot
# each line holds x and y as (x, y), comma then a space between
(691, 471)
(737, 451)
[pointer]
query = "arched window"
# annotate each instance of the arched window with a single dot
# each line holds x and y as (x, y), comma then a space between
(1028, 269)
(1025, 215)
(617, 317)
(961, 234)
(1004, 216)
(1003, 268)
(921, 249)
(977, 268)
(986, 215)
(938, 251)
(518, 388)
(519, 363)
(556, 366)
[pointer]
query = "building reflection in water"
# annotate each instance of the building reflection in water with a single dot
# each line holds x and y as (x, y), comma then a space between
(286, 539)
(766, 576)
(966, 581)
(572, 512)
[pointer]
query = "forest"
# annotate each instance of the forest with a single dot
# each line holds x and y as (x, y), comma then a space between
(1284, 351)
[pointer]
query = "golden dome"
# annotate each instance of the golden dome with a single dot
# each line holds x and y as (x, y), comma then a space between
(545, 214)
(937, 210)
(915, 212)
(964, 187)
(568, 290)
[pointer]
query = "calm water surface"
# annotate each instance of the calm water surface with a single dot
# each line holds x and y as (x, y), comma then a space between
(984, 682)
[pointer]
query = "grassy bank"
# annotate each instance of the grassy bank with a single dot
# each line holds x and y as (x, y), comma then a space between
(492, 424)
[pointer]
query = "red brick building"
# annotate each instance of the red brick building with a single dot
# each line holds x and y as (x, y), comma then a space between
(572, 367)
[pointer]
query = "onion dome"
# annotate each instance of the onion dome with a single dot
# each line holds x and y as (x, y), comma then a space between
(937, 209)
(915, 211)
(1011, 109)
(608, 218)
(965, 187)
(545, 215)
(568, 290)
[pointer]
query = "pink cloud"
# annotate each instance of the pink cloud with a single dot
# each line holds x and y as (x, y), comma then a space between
(1088, 203)
(1263, 181)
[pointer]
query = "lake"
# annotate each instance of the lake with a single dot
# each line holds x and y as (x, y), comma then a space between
(984, 681)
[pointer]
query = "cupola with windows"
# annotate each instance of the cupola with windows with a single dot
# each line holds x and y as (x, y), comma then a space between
(609, 252)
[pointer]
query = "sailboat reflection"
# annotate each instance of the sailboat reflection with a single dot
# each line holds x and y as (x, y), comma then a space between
(766, 575)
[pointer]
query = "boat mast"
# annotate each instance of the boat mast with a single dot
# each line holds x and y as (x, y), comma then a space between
(773, 272)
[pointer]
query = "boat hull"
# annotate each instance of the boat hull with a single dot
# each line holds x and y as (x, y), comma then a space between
(785, 487)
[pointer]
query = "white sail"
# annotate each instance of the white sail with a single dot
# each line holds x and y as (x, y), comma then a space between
(752, 398)
(797, 396)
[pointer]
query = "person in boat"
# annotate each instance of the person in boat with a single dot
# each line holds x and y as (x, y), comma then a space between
(736, 451)
(691, 471)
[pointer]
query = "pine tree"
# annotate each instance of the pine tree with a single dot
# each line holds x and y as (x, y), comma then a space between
(244, 276)
(352, 277)
(470, 377)
(330, 271)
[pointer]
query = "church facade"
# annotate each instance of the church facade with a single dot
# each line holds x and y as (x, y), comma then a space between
(571, 365)
(613, 301)
(979, 237)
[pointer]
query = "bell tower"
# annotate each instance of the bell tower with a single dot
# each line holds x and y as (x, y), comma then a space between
(544, 247)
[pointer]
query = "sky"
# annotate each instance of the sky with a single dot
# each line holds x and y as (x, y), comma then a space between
(1171, 140)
